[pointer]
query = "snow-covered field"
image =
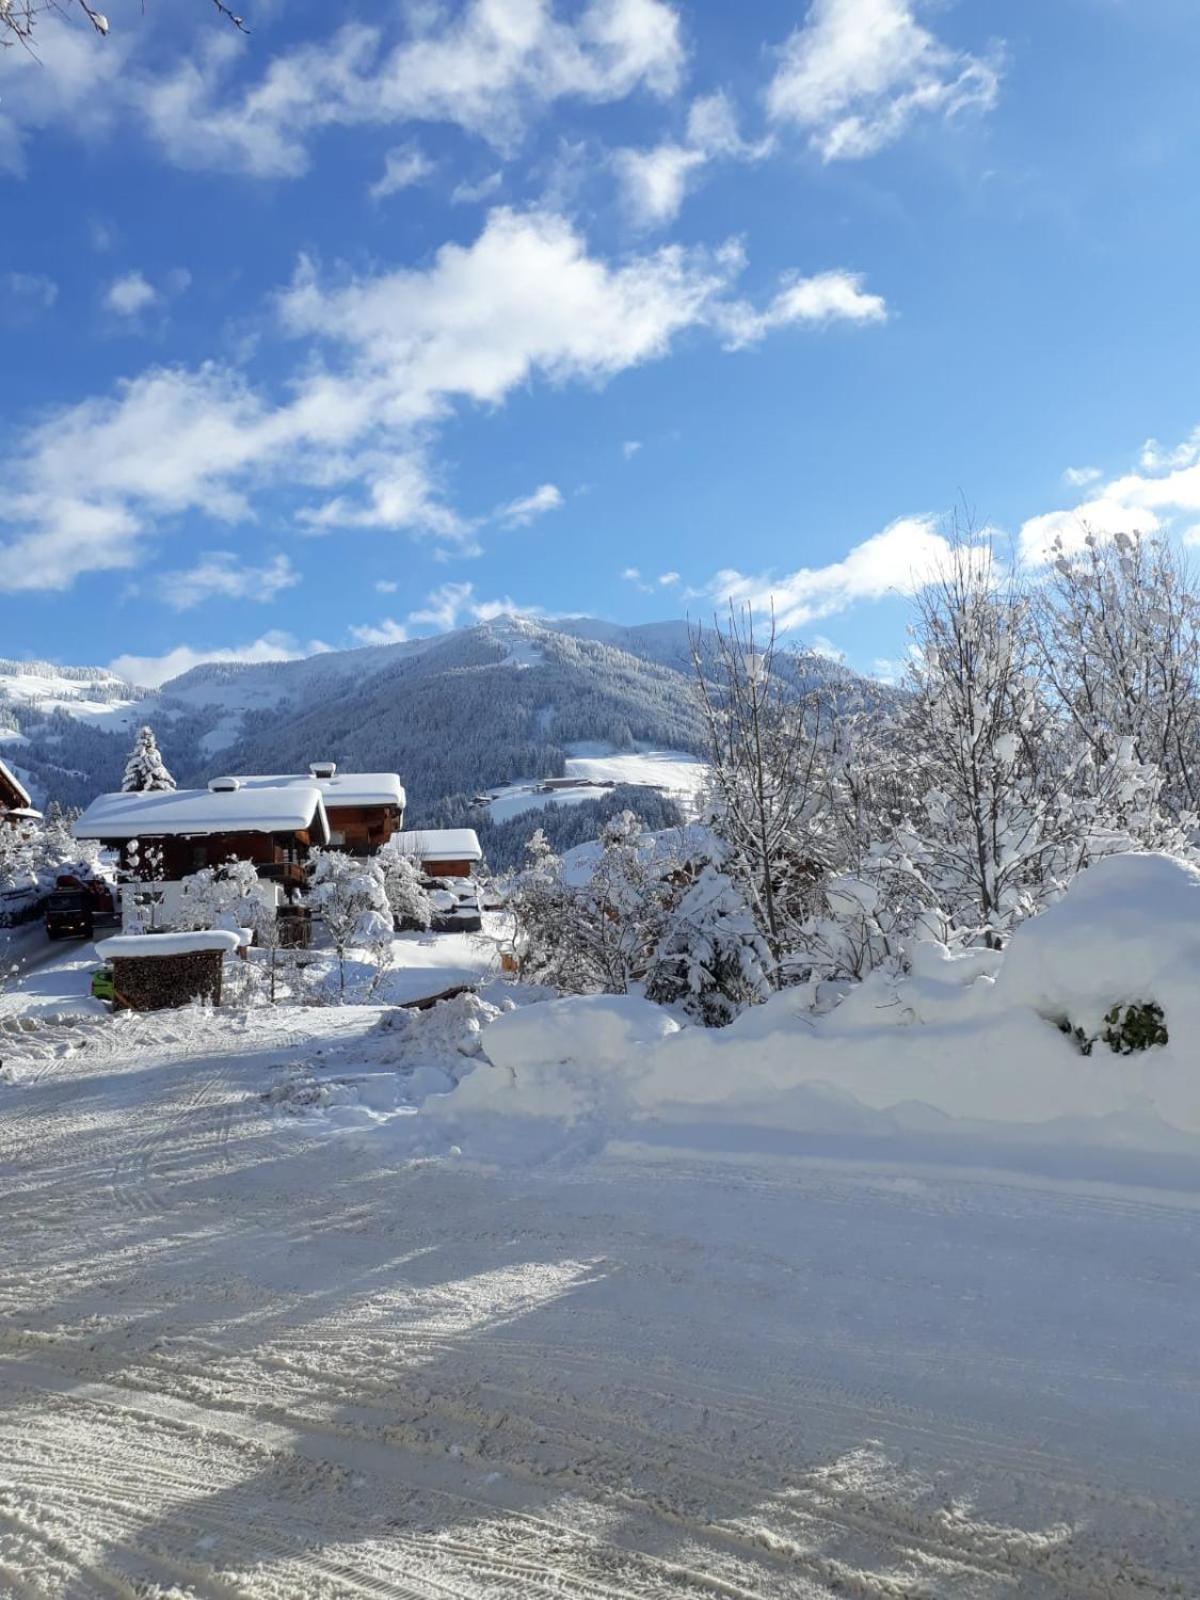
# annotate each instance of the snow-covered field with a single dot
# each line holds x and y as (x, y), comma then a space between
(594, 766)
(277, 1320)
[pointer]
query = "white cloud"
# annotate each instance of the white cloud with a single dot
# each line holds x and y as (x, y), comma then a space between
(219, 575)
(857, 73)
(1081, 477)
(84, 489)
(402, 167)
(821, 646)
(386, 586)
(667, 580)
(464, 194)
(825, 297)
(655, 182)
(634, 576)
(1157, 458)
(389, 631)
(152, 671)
(454, 604)
(130, 294)
(630, 448)
(520, 513)
(900, 559)
(488, 70)
(25, 295)
(1147, 502)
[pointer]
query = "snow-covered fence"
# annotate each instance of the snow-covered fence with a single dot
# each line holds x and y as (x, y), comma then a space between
(18, 906)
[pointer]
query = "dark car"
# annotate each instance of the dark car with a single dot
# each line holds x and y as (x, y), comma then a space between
(69, 914)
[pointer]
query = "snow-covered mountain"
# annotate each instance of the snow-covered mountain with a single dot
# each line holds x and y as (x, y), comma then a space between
(456, 714)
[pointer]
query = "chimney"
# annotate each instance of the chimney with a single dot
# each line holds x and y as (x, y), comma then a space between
(323, 769)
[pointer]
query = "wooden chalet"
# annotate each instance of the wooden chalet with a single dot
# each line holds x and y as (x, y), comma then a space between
(365, 809)
(442, 852)
(164, 836)
(16, 804)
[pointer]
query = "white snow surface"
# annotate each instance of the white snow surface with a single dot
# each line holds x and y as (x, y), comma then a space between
(265, 1334)
(283, 808)
(438, 844)
(143, 945)
(343, 789)
(595, 766)
(312, 1303)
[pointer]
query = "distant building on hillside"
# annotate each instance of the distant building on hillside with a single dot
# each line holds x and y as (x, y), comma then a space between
(442, 852)
(16, 803)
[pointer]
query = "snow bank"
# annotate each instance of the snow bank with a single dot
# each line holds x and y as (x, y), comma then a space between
(567, 1059)
(1127, 932)
(964, 1042)
(141, 945)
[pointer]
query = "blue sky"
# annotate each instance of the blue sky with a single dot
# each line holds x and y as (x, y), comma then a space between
(386, 317)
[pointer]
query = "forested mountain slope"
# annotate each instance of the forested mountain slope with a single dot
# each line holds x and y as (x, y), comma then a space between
(452, 714)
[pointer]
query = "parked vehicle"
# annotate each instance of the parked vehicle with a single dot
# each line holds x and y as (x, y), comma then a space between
(78, 906)
(69, 915)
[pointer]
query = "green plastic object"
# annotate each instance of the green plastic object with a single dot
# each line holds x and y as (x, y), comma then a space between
(102, 984)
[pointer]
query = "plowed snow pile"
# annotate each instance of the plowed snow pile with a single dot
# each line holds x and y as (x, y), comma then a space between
(323, 1303)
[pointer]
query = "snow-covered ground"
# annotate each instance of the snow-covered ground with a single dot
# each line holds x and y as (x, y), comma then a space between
(595, 767)
(527, 1297)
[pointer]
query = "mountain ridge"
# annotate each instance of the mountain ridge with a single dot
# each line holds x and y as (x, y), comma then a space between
(454, 713)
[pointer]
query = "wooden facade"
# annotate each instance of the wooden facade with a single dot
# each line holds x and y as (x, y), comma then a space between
(279, 857)
(447, 869)
(362, 830)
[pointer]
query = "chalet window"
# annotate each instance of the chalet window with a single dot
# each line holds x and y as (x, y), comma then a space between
(336, 838)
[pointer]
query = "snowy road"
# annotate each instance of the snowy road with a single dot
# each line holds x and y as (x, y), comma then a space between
(245, 1354)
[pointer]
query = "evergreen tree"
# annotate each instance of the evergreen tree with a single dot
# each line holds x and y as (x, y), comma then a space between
(146, 771)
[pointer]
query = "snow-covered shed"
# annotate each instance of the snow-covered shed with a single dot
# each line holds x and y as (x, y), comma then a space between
(16, 803)
(364, 809)
(442, 852)
(159, 971)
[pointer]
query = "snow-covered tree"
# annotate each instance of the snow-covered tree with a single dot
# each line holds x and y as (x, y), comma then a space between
(19, 18)
(146, 771)
(351, 899)
(996, 812)
(407, 895)
(772, 802)
(599, 934)
(1118, 625)
(711, 958)
(228, 896)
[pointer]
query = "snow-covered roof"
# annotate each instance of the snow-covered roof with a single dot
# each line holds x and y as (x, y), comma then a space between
(439, 844)
(289, 808)
(27, 812)
(137, 946)
(343, 789)
(8, 776)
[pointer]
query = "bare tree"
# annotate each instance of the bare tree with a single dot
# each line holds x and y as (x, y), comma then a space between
(19, 19)
(770, 776)
(1119, 631)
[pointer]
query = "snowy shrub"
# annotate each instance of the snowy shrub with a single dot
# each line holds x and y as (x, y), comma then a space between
(1127, 1029)
(598, 936)
(711, 960)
